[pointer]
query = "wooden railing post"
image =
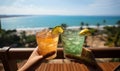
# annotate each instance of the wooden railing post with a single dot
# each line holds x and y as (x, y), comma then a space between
(9, 64)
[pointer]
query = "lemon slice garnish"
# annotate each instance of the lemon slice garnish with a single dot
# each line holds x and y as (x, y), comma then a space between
(57, 30)
(85, 32)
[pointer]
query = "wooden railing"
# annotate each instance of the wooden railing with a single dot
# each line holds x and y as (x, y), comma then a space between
(9, 55)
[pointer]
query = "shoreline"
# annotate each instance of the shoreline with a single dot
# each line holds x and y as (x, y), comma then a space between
(33, 31)
(69, 27)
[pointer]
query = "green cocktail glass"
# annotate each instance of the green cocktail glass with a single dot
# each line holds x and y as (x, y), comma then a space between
(72, 42)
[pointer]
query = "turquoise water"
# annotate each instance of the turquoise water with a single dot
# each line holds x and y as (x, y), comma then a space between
(51, 21)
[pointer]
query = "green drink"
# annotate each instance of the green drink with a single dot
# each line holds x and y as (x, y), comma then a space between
(72, 42)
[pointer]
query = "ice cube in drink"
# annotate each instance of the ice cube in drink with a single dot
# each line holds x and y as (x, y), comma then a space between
(72, 42)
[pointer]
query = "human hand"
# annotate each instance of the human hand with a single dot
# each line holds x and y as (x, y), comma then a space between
(34, 60)
(86, 57)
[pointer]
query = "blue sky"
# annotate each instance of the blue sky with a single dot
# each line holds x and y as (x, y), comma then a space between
(60, 7)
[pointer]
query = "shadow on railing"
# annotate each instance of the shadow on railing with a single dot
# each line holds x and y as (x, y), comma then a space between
(9, 55)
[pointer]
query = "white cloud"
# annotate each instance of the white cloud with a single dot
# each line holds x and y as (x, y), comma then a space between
(103, 7)
(98, 7)
(28, 10)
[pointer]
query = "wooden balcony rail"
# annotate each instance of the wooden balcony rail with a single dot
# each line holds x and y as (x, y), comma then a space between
(9, 55)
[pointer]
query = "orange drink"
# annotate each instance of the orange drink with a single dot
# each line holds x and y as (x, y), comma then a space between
(47, 42)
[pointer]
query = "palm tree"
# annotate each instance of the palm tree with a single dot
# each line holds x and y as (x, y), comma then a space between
(118, 23)
(64, 26)
(98, 28)
(87, 25)
(0, 25)
(104, 22)
(98, 25)
(82, 24)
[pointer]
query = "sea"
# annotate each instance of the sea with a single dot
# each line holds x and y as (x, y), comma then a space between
(50, 21)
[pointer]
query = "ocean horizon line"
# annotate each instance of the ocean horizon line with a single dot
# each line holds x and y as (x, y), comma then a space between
(9, 16)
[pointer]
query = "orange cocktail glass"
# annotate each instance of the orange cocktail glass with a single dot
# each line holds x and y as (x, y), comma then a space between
(47, 42)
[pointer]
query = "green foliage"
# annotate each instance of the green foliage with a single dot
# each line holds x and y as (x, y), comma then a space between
(110, 42)
(118, 23)
(8, 38)
(93, 31)
(87, 25)
(0, 24)
(64, 26)
(30, 38)
(81, 24)
(31, 41)
(113, 36)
